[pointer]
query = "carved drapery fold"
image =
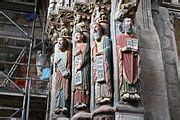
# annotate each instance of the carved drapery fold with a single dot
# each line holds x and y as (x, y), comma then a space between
(101, 55)
(59, 29)
(127, 52)
(81, 58)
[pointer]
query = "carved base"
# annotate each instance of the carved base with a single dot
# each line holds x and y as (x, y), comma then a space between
(62, 118)
(129, 112)
(104, 112)
(82, 116)
(63, 115)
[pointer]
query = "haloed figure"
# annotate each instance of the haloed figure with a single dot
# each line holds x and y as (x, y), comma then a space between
(128, 59)
(63, 77)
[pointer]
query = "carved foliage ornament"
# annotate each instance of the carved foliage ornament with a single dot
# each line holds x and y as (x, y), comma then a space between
(60, 25)
(126, 8)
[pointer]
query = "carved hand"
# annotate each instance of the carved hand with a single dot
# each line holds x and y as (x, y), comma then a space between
(79, 67)
(126, 49)
(78, 52)
(67, 76)
(99, 53)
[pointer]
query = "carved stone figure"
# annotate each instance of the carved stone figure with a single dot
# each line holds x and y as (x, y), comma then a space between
(101, 60)
(63, 77)
(126, 8)
(128, 59)
(101, 13)
(60, 3)
(41, 60)
(51, 6)
(81, 63)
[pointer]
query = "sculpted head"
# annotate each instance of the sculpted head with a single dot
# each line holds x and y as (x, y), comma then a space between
(127, 26)
(79, 37)
(62, 43)
(52, 6)
(97, 31)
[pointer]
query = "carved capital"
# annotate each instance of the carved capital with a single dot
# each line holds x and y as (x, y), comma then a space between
(126, 8)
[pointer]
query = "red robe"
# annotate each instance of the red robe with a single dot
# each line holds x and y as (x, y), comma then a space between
(80, 91)
(128, 60)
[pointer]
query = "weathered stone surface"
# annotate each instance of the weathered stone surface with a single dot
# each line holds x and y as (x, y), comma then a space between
(156, 107)
(129, 116)
(167, 43)
(170, 67)
(104, 109)
(173, 94)
(104, 112)
(171, 74)
(153, 82)
(169, 56)
(63, 118)
(147, 40)
(166, 29)
(175, 113)
(151, 59)
(129, 112)
(82, 116)
(164, 13)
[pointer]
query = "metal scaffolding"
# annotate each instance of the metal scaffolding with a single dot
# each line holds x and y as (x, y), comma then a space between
(22, 7)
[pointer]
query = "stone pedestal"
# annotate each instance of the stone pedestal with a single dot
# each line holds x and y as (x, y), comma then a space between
(82, 116)
(62, 118)
(104, 112)
(129, 112)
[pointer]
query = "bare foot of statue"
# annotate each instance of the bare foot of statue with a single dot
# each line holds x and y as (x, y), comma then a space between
(60, 110)
(103, 101)
(130, 96)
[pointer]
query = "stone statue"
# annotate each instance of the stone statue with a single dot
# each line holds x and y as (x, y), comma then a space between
(41, 60)
(101, 13)
(126, 8)
(128, 59)
(81, 75)
(63, 77)
(60, 3)
(101, 60)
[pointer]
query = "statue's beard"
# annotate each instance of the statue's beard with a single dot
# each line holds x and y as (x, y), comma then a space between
(62, 46)
(97, 36)
(128, 29)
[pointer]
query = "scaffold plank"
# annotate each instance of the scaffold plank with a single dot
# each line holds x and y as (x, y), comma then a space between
(17, 6)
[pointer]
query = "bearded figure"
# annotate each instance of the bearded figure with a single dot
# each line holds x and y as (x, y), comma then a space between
(128, 59)
(101, 59)
(63, 76)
